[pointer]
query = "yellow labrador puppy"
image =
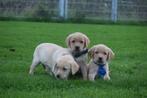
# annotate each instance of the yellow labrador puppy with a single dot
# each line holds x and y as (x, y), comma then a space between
(100, 55)
(77, 44)
(56, 59)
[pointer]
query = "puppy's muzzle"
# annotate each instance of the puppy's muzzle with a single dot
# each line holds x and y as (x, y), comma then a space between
(58, 76)
(77, 48)
(100, 60)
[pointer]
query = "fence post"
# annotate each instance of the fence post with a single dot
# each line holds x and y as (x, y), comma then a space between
(114, 11)
(61, 8)
(66, 9)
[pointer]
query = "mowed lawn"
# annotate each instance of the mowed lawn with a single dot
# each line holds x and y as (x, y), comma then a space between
(128, 69)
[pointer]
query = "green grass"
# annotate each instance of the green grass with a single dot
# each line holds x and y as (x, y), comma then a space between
(128, 69)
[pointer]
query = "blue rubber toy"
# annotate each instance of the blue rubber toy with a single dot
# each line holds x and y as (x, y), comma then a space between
(101, 71)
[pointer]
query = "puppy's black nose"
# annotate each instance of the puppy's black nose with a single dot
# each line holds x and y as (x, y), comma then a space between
(58, 76)
(77, 47)
(100, 58)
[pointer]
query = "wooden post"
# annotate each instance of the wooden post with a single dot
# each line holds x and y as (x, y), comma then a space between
(66, 9)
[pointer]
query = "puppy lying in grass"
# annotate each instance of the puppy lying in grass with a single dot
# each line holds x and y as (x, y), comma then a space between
(100, 55)
(55, 59)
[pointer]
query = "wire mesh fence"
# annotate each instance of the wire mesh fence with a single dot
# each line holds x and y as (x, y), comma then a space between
(108, 10)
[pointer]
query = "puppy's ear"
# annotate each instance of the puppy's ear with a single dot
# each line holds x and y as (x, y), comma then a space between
(68, 40)
(110, 54)
(91, 52)
(74, 67)
(86, 41)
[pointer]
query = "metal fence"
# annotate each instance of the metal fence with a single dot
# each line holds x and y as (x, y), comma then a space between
(111, 10)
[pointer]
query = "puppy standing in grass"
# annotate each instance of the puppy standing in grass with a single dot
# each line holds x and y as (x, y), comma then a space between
(100, 55)
(77, 44)
(55, 59)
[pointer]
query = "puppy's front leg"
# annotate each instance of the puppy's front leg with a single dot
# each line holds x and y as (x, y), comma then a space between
(83, 69)
(92, 72)
(33, 65)
(107, 77)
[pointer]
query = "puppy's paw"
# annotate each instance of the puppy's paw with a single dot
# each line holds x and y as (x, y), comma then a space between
(31, 73)
(91, 77)
(106, 77)
(84, 78)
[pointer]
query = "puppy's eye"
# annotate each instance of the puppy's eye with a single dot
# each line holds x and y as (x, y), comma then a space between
(96, 52)
(73, 41)
(81, 42)
(105, 53)
(64, 69)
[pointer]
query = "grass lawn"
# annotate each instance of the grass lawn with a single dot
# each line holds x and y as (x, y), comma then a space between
(128, 69)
